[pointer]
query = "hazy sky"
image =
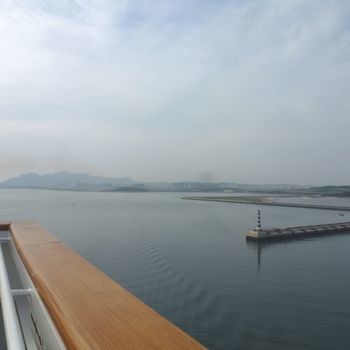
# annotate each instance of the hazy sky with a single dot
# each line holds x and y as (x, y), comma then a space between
(253, 91)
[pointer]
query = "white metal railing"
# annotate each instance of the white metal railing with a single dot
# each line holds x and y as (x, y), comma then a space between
(14, 338)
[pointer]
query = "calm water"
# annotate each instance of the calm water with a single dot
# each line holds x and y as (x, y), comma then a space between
(189, 260)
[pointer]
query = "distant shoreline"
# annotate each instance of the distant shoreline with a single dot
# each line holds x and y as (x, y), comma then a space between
(255, 197)
(66, 181)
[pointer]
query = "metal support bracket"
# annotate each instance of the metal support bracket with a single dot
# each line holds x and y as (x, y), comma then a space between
(21, 292)
(14, 338)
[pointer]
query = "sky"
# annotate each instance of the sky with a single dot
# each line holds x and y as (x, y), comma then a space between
(253, 91)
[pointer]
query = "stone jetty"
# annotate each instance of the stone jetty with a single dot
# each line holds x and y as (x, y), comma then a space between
(298, 231)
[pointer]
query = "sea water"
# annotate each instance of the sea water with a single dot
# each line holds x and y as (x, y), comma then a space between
(189, 260)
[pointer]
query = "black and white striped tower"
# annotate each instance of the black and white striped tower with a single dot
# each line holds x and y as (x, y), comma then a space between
(258, 227)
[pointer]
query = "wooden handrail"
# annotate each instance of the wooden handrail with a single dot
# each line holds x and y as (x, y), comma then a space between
(90, 311)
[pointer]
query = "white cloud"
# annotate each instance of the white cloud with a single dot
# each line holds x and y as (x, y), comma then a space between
(203, 81)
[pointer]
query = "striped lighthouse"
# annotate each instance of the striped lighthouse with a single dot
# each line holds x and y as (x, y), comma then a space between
(258, 227)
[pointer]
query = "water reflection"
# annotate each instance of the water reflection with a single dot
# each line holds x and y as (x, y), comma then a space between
(258, 247)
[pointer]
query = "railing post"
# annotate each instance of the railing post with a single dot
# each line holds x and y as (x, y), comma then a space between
(14, 338)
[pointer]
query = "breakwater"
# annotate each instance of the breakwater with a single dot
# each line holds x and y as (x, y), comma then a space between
(267, 201)
(298, 231)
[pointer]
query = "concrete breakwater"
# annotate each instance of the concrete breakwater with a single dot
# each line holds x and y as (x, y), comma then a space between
(298, 231)
(268, 201)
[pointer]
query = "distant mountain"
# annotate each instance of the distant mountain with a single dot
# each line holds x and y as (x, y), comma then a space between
(66, 180)
(83, 182)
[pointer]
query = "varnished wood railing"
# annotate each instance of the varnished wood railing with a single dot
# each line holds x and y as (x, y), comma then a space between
(90, 311)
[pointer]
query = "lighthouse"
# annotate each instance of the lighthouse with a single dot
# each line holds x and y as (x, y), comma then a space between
(258, 232)
(258, 227)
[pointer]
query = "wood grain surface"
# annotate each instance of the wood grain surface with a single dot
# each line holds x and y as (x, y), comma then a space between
(89, 309)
